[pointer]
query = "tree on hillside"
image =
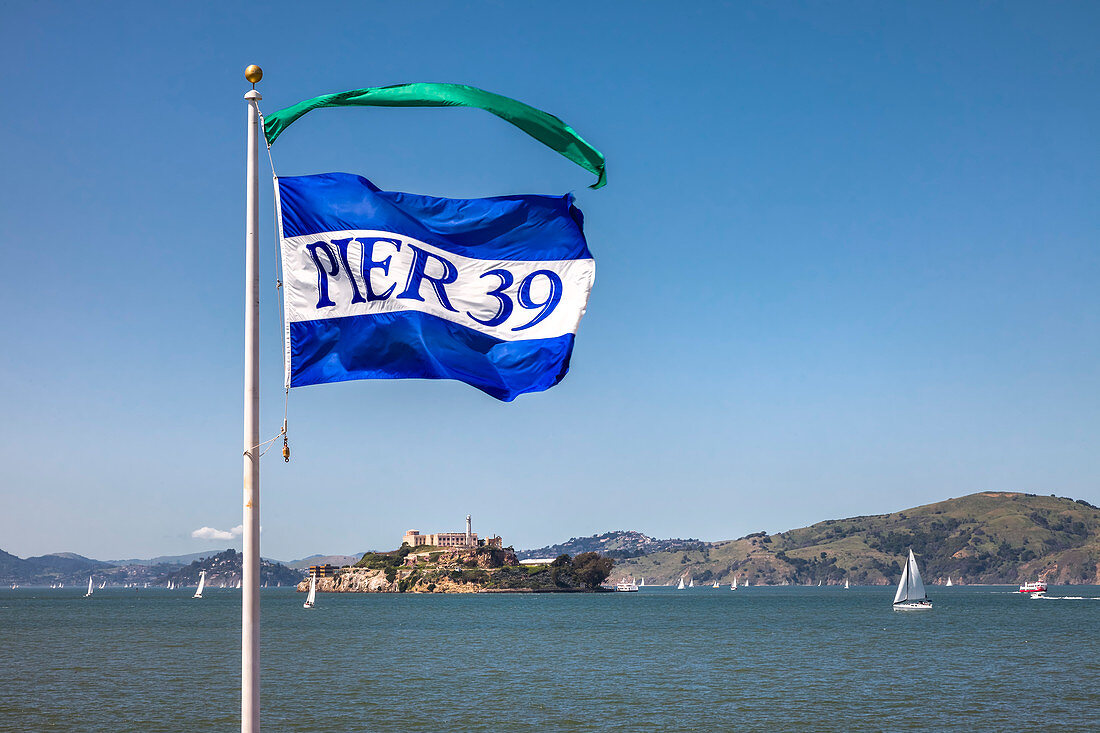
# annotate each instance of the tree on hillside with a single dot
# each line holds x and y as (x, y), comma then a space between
(591, 568)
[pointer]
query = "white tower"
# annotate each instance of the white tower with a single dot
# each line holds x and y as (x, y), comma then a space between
(469, 532)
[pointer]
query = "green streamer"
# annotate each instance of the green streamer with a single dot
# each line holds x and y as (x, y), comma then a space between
(543, 126)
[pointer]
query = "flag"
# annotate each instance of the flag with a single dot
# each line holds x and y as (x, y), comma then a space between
(386, 285)
(543, 126)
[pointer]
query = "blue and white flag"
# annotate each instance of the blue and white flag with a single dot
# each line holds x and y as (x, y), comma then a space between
(386, 285)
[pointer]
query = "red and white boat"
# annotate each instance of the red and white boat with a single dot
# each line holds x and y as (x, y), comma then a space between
(1036, 587)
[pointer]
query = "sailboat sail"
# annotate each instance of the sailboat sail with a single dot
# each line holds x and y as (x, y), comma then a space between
(310, 599)
(910, 587)
(903, 585)
(202, 582)
(89, 587)
(681, 586)
(916, 585)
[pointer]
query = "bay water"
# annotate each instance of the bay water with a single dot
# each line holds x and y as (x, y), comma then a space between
(759, 658)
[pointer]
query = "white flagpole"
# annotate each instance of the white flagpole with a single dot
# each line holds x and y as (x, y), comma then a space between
(250, 601)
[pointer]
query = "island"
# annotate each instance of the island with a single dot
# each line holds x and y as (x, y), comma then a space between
(479, 569)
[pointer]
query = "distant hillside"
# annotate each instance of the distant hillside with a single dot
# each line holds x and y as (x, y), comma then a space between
(616, 544)
(991, 537)
(224, 568)
(162, 559)
(70, 569)
(335, 560)
(46, 569)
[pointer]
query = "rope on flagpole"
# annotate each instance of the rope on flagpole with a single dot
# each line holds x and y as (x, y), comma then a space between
(282, 311)
(267, 443)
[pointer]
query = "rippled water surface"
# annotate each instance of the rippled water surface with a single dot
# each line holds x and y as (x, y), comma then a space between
(661, 659)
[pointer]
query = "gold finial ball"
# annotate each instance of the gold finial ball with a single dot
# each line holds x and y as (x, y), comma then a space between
(253, 73)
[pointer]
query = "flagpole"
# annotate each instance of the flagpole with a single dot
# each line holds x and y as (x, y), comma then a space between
(250, 600)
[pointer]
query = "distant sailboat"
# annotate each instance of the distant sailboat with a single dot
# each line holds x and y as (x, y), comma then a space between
(238, 585)
(89, 593)
(819, 584)
(312, 597)
(911, 595)
(681, 586)
(103, 585)
(691, 583)
(948, 581)
(845, 584)
(202, 582)
(642, 583)
(715, 584)
(733, 585)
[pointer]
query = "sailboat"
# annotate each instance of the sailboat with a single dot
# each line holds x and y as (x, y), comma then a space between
(911, 595)
(733, 585)
(948, 581)
(103, 585)
(691, 583)
(238, 585)
(845, 584)
(89, 593)
(641, 583)
(715, 584)
(681, 586)
(312, 597)
(202, 582)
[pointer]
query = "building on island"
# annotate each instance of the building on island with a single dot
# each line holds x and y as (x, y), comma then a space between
(469, 538)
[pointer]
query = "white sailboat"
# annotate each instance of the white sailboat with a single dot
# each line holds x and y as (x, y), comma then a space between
(948, 581)
(733, 585)
(681, 586)
(202, 582)
(911, 595)
(103, 585)
(89, 593)
(845, 584)
(238, 585)
(312, 597)
(691, 583)
(641, 583)
(715, 584)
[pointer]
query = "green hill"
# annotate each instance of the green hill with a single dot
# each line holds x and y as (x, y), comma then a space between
(991, 537)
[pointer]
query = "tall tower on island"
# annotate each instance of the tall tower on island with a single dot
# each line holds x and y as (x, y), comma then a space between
(469, 532)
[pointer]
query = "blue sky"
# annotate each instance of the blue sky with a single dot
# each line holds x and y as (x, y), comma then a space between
(847, 263)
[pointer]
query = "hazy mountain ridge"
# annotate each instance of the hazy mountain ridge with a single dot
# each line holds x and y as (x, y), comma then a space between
(618, 544)
(46, 569)
(72, 569)
(335, 560)
(989, 537)
(179, 560)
